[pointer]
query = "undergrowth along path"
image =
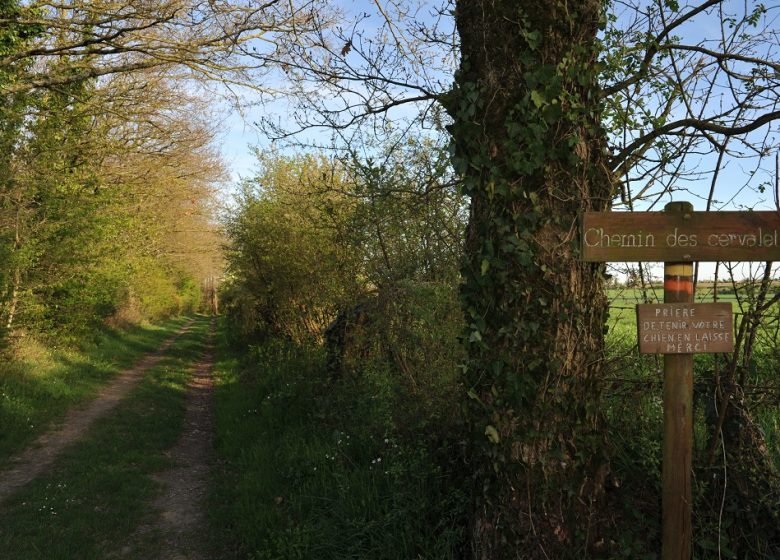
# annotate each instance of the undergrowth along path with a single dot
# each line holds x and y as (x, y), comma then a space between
(39, 457)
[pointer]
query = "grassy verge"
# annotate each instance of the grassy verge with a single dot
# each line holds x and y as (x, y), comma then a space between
(41, 384)
(312, 470)
(98, 491)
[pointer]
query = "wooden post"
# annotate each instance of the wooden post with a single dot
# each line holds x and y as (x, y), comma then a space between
(678, 417)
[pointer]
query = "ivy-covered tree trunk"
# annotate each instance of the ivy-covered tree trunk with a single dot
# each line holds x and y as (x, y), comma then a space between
(528, 143)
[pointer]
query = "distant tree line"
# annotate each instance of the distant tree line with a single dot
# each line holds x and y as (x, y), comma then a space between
(106, 178)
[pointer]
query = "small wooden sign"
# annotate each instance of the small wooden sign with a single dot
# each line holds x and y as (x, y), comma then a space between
(690, 236)
(685, 328)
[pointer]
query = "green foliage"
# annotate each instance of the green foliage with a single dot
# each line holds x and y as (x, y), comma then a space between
(159, 291)
(408, 217)
(78, 228)
(285, 254)
(68, 262)
(189, 296)
(15, 34)
(407, 339)
(311, 237)
(317, 470)
(357, 459)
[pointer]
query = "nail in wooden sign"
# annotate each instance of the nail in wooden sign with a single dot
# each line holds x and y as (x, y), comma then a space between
(690, 236)
(685, 328)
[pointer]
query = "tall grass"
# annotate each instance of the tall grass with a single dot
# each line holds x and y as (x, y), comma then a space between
(315, 469)
(361, 465)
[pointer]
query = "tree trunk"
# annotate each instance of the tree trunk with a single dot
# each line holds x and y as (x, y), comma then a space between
(528, 142)
(13, 300)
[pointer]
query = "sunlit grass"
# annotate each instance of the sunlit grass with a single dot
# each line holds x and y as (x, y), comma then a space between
(99, 491)
(42, 383)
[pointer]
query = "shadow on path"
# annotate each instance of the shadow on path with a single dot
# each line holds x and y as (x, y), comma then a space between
(180, 523)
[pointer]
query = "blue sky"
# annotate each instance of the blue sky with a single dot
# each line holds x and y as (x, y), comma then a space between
(737, 187)
(236, 146)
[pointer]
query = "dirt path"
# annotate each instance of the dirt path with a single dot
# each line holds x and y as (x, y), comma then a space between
(181, 522)
(39, 457)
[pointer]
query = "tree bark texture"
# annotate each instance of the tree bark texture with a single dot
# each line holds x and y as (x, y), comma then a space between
(528, 143)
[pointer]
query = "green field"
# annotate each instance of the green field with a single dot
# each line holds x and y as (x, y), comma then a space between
(623, 301)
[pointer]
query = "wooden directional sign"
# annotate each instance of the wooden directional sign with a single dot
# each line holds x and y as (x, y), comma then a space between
(685, 328)
(678, 237)
(688, 236)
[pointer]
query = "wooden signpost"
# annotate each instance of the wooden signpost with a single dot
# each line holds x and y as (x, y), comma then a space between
(680, 235)
(679, 328)
(682, 328)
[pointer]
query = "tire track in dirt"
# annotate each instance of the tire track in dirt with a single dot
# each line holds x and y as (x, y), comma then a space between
(41, 454)
(181, 507)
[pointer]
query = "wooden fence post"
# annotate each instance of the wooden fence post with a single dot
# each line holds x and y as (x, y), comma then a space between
(678, 418)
